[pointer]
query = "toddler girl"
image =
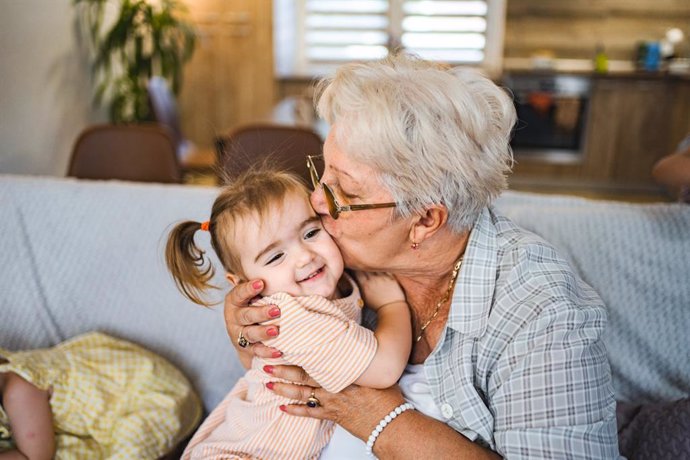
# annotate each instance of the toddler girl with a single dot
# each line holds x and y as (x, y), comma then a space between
(92, 397)
(262, 226)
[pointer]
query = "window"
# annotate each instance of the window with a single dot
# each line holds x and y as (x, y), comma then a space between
(312, 37)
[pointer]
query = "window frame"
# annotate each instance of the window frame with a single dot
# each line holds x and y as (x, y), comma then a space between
(296, 65)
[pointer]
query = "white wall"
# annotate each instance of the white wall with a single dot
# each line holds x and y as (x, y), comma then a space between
(45, 87)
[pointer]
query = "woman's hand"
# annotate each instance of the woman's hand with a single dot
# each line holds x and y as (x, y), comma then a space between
(379, 289)
(357, 409)
(360, 409)
(242, 318)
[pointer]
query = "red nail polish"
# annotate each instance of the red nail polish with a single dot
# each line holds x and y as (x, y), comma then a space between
(269, 385)
(257, 284)
(283, 408)
(272, 332)
(274, 312)
(277, 354)
(268, 369)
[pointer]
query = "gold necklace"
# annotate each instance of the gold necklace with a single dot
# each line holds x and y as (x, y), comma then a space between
(444, 299)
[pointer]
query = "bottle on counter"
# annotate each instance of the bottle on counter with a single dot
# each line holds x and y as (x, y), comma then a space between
(601, 61)
(652, 59)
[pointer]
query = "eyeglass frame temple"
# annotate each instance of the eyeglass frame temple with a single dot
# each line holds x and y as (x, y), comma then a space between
(340, 207)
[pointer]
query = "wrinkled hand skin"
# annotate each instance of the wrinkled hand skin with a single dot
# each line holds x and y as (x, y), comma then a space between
(351, 408)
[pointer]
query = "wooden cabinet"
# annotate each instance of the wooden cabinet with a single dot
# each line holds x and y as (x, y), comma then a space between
(230, 79)
(633, 121)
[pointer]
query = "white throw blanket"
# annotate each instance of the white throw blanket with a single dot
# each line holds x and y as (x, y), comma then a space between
(88, 255)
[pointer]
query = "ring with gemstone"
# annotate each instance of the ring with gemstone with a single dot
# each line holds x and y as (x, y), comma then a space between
(242, 340)
(313, 401)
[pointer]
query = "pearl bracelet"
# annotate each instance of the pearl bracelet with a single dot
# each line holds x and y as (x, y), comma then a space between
(383, 423)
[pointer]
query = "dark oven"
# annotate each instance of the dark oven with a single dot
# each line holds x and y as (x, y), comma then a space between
(552, 115)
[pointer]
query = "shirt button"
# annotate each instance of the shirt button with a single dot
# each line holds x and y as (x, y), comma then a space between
(447, 410)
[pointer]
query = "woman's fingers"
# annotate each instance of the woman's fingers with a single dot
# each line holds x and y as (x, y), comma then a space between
(257, 333)
(243, 293)
(357, 409)
(293, 374)
(246, 316)
(237, 310)
(241, 318)
(302, 410)
(304, 393)
(292, 391)
(262, 351)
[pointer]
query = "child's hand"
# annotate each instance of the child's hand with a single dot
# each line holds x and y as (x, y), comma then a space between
(379, 289)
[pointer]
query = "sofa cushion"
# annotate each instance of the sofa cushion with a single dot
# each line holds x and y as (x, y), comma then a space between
(88, 255)
(637, 257)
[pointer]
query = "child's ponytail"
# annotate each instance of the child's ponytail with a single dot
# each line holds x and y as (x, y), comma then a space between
(191, 271)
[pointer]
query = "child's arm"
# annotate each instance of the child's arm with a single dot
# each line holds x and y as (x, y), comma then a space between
(28, 409)
(393, 333)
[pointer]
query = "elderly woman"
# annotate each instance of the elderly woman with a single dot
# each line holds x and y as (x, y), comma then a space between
(508, 355)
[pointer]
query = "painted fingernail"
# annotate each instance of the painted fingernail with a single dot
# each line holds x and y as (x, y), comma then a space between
(277, 354)
(283, 408)
(268, 369)
(274, 312)
(257, 284)
(269, 385)
(272, 332)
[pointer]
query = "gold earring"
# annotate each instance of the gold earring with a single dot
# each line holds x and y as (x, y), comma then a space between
(414, 246)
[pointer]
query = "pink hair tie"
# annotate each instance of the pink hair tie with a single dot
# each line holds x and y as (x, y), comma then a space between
(204, 225)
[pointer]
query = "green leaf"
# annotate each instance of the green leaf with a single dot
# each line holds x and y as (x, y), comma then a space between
(143, 41)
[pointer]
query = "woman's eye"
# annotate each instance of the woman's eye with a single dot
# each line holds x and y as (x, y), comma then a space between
(274, 258)
(342, 193)
(349, 196)
(312, 233)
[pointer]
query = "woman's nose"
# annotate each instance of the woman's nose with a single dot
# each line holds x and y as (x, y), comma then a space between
(318, 201)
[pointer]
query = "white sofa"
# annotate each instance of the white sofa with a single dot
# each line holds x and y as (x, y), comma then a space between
(82, 255)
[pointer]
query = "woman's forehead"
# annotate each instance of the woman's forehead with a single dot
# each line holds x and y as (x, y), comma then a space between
(340, 163)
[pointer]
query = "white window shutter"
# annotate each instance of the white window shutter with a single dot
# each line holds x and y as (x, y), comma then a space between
(326, 33)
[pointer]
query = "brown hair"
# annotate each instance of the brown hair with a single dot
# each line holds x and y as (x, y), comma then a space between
(254, 191)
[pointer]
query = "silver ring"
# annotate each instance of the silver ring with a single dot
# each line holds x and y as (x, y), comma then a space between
(242, 340)
(313, 401)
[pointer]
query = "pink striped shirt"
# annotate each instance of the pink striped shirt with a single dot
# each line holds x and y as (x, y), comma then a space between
(323, 337)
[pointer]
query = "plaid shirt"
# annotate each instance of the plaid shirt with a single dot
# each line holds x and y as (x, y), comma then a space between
(521, 366)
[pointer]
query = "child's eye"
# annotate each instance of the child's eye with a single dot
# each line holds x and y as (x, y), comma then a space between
(312, 233)
(274, 258)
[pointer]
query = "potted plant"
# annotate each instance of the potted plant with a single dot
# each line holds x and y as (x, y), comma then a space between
(145, 39)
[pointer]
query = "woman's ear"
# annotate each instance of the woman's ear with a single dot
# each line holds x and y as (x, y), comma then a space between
(427, 223)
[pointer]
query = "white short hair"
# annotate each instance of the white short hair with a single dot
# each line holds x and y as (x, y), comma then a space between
(435, 134)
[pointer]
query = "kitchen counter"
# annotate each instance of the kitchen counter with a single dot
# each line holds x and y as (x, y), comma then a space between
(617, 69)
(632, 119)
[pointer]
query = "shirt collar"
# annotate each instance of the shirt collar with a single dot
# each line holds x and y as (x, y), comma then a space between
(474, 289)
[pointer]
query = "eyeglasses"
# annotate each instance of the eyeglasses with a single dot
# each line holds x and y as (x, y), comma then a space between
(335, 208)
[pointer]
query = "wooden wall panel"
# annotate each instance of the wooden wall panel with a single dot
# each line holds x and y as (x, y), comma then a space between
(230, 79)
(642, 134)
(572, 29)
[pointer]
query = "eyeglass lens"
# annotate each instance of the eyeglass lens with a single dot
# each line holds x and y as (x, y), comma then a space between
(333, 208)
(328, 193)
